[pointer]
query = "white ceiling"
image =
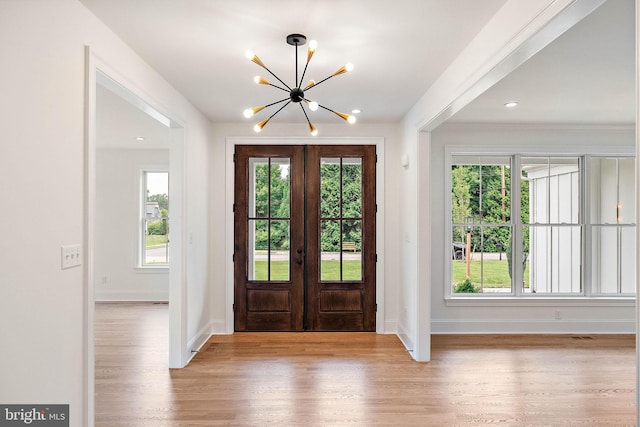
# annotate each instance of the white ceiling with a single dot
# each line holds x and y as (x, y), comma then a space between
(398, 48)
(587, 75)
(119, 122)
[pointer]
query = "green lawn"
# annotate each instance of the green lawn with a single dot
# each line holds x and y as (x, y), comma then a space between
(495, 273)
(155, 241)
(330, 270)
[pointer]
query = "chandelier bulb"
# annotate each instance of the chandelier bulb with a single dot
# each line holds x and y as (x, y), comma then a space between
(254, 58)
(258, 127)
(313, 106)
(249, 112)
(344, 69)
(351, 119)
(312, 129)
(312, 49)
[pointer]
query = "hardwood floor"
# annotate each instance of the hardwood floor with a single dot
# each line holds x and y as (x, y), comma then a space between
(357, 379)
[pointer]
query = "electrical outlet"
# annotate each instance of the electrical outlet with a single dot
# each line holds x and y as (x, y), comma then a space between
(71, 256)
(556, 315)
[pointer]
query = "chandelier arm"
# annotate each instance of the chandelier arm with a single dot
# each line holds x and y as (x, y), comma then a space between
(312, 128)
(277, 102)
(343, 116)
(303, 73)
(279, 109)
(280, 87)
(285, 85)
(305, 113)
(321, 81)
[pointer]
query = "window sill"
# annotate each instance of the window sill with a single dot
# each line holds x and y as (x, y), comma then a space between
(151, 270)
(549, 301)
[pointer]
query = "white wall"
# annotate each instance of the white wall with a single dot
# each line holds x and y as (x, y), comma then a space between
(220, 260)
(524, 315)
(42, 170)
(117, 275)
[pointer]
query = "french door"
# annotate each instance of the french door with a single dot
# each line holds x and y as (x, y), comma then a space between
(304, 245)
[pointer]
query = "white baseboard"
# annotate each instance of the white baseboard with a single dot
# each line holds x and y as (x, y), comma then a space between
(560, 326)
(131, 296)
(218, 327)
(405, 339)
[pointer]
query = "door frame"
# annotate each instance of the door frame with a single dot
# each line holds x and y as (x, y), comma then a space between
(179, 352)
(230, 144)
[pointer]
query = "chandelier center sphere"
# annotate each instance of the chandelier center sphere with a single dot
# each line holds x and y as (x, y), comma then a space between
(296, 94)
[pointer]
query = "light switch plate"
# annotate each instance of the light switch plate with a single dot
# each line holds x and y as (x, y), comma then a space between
(71, 256)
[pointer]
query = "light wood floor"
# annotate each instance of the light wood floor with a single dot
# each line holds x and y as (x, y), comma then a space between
(357, 379)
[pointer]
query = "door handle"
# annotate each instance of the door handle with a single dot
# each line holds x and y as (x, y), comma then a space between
(299, 261)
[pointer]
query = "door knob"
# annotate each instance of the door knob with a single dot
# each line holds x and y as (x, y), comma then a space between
(299, 261)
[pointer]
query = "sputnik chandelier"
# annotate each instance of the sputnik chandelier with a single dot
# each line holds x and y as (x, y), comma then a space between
(297, 93)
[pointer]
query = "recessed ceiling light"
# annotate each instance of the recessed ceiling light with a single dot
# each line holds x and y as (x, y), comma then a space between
(355, 111)
(139, 138)
(511, 104)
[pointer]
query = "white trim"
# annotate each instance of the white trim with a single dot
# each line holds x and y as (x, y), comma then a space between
(232, 141)
(218, 327)
(637, 180)
(537, 301)
(199, 340)
(532, 326)
(131, 295)
(405, 338)
(177, 296)
(88, 387)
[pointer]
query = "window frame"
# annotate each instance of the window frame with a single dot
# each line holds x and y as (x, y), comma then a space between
(142, 217)
(517, 293)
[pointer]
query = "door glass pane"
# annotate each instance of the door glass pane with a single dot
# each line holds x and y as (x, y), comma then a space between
(258, 187)
(351, 188)
(351, 250)
(330, 187)
(279, 253)
(329, 250)
(280, 188)
(258, 249)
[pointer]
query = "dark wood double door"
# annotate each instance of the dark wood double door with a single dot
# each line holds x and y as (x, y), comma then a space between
(305, 250)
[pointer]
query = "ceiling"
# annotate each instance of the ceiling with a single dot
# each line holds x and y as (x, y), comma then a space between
(398, 48)
(585, 76)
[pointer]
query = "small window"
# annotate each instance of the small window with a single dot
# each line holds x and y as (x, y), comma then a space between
(155, 219)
